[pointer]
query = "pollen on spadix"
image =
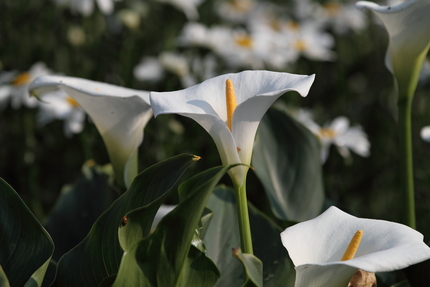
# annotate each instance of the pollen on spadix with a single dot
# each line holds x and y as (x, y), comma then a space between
(353, 246)
(21, 79)
(231, 102)
(72, 102)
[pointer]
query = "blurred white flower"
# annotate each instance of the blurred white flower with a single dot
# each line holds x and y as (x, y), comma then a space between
(342, 17)
(57, 105)
(236, 11)
(15, 88)
(425, 133)
(130, 18)
(341, 135)
(86, 7)
(149, 69)
(316, 247)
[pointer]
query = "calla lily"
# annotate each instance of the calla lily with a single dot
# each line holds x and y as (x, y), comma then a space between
(120, 115)
(316, 248)
(233, 131)
(408, 26)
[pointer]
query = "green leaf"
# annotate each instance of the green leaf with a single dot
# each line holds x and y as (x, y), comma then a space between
(25, 244)
(278, 270)
(3, 279)
(78, 207)
(253, 268)
(98, 256)
(165, 258)
(286, 159)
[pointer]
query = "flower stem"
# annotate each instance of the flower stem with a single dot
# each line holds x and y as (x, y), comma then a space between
(243, 216)
(406, 167)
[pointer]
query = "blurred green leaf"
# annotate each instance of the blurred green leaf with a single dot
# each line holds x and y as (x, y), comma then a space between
(287, 161)
(25, 244)
(165, 258)
(98, 256)
(278, 270)
(78, 207)
(253, 268)
(3, 279)
(417, 274)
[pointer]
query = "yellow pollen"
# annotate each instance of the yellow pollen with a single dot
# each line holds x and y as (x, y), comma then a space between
(326, 133)
(21, 79)
(244, 41)
(72, 102)
(230, 101)
(293, 25)
(332, 8)
(300, 45)
(242, 6)
(353, 246)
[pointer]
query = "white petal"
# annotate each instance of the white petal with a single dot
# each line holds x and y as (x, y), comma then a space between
(206, 103)
(408, 26)
(106, 6)
(120, 114)
(425, 133)
(386, 246)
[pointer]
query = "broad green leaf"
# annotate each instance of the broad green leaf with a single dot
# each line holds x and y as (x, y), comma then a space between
(278, 270)
(98, 256)
(253, 268)
(38, 277)
(165, 258)
(78, 207)
(25, 244)
(3, 278)
(286, 159)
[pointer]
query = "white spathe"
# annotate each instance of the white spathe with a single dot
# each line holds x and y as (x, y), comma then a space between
(205, 103)
(316, 248)
(120, 115)
(408, 26)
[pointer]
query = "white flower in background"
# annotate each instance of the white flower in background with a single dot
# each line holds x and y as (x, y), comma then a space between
(408, 26)
(231, 114)
(149, 69)
(189, 7)
(86, 7)
(120, 115)
(76, 35)
(307, 39)
(129, 17)
(16, 88)
(57, 105)
(425, 133)
(153, 69)
(162, 211)
(342, 136)
(317, 248)
(342, 17)
(236, 11)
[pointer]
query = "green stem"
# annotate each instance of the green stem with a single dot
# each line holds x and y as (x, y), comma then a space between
(406, 167)
(243, 216)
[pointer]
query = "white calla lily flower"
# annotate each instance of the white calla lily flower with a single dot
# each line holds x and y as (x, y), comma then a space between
(316, 248)
(408, 26)
(233, 132)
(120, 115)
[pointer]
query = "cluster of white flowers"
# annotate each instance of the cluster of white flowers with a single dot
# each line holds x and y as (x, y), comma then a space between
(53, 105)
(338, 132)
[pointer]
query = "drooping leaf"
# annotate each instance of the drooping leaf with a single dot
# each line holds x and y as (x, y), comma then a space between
(286, 159)
(165, 258)
(98, 256)
(278, 270)
(25, 244)
(253, 268)
(78, 207)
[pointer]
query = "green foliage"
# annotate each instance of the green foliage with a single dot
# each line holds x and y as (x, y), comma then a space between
(165, 258)
(26, 246)
(278, 269)
(99, 254)
(287, 160)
